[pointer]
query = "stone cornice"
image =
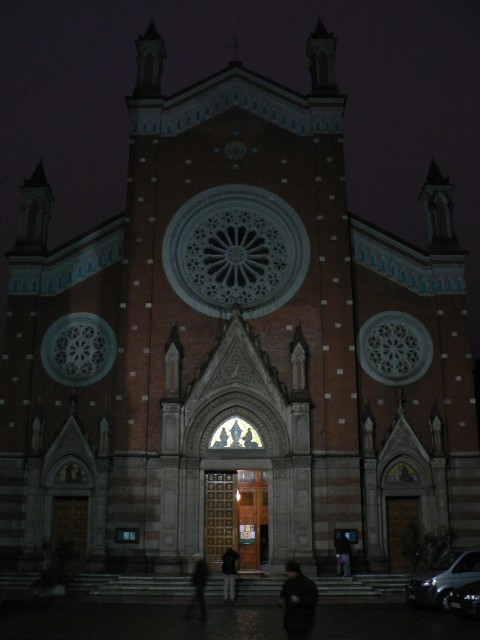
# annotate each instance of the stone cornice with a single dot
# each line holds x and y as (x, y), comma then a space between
(69, 265)
(399, 262)
(237, 87)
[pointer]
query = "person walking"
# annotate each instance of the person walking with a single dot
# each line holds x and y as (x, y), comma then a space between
(199, 580)
(299, 599)
(229, 570)
(344, 551)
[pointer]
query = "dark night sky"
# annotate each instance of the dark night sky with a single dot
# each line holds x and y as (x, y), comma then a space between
(410, 69)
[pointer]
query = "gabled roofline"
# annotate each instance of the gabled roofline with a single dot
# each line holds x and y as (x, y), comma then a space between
(71, 263)
(232, 87)
(423, 273)
(237, 68)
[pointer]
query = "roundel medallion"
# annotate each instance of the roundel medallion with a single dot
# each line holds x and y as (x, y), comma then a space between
(394, 348)
(235, 150)
(78, 349)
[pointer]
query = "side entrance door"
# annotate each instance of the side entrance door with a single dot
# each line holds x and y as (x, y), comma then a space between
(401, 512)
(70, 527)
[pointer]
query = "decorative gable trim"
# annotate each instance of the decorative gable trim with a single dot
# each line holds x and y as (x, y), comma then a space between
(67, 266)
(237, 380)
(238, 362)
(406, 266)
(70, 443)
(402, 440)
(236, 87)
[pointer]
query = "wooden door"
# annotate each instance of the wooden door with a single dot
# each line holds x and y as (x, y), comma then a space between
(252, 519)
(220, 516)
(400, 513)
(70, 524)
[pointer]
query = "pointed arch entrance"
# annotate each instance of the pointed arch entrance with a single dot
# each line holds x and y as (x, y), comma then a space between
(266, 432)
(235, 451)
(236, 502)
(286, 518)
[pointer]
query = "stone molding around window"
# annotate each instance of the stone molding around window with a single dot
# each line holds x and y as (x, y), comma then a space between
(236, 245)
(78, 349)
(394, 348)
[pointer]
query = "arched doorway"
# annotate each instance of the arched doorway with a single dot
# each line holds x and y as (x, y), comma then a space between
(69, 485)
(402, 490)
(237, 517)
(236, 501)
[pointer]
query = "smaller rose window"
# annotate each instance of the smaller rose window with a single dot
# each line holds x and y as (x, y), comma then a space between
(79, 349)
(394, 348)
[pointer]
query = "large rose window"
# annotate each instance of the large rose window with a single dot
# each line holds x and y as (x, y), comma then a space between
(236, 245)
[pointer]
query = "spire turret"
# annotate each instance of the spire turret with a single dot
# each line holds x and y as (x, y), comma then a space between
(321, 51)
(299, 358)
(436, 197)
(151, 53)
(173, 365)
(36, 204)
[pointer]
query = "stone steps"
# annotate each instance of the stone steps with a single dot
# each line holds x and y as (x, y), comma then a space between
(112, 587)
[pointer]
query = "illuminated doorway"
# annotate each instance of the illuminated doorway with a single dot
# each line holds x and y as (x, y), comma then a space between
(252, 517)
(236, 516)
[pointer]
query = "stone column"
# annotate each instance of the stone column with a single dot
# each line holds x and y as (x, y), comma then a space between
(191, 508)
(280, 515)
(171, 428)
(168, 560)
(32, 537)
(376, 557)
(300, 428)
(439, 466)
(302, 513)
(98, 528)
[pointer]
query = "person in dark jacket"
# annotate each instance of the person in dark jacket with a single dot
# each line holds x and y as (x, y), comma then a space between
(229, 569)
(299, 598)
(199, 580)
(344, 551)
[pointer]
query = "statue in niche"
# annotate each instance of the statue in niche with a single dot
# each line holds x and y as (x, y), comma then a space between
(248, 440)
(236, 432)
(222, 441)
(71, 473)
(402, 473)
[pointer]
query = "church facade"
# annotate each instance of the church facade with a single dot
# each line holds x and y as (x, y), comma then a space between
(235, 360)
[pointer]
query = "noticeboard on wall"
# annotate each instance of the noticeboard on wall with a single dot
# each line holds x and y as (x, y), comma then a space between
(126, 536)
(351, 534)
(247, 534)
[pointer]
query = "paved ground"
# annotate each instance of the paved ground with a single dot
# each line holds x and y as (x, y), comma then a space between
(76, 621)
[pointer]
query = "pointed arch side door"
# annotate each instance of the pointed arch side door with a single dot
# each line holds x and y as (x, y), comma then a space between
(401, 513)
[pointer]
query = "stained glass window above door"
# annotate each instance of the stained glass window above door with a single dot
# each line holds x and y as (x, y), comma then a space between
(235, 433)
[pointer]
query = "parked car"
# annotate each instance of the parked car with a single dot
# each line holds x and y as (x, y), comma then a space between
(452, 570)
(465, 599)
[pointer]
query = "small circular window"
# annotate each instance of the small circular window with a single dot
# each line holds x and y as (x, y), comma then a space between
(79, 349)
(394, 348)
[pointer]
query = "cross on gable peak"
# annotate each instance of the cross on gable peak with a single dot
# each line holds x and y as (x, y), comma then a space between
(235, 45)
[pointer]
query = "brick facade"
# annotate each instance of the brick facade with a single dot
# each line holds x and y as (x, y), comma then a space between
(335, 435)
